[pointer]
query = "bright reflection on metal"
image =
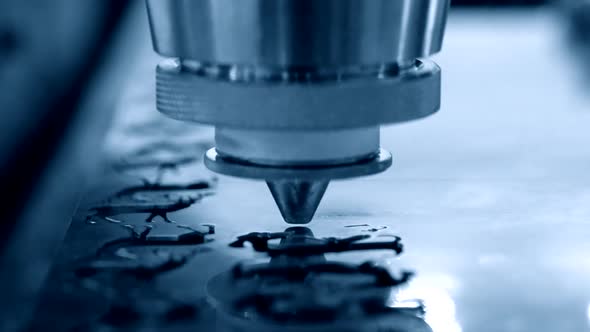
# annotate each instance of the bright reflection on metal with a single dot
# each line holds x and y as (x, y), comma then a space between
(435, 294)
(588, 314)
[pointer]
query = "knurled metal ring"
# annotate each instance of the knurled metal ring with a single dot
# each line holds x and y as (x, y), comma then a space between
(364, 102)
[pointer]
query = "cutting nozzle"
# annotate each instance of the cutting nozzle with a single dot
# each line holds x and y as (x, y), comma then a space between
(297, 89)
(298, 199)
(298, 189)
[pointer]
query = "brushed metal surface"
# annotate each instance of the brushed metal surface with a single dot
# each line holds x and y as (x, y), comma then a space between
(297, 32)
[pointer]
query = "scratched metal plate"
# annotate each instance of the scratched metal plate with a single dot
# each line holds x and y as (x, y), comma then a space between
(490, 197)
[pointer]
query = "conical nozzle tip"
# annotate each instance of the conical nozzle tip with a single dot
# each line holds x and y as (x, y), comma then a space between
(297, 200)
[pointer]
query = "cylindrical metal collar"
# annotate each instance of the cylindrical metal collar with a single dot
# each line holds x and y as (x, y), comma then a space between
(295, 147)
(298, 32)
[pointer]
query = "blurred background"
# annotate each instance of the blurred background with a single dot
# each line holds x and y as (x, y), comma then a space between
(516, 108)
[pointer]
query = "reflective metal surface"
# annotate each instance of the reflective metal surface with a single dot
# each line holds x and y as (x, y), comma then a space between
(298, 32)
(490, 199)
(299, 289)
(320, 147)
(370, 165)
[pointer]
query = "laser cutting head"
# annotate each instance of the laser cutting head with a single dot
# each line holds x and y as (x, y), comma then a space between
(297, 89)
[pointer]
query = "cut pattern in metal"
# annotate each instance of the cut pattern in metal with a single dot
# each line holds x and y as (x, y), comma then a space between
(123, 272)
(156, 200)
(300, 287)
(114, 256)
(314, 246)
(301, 272)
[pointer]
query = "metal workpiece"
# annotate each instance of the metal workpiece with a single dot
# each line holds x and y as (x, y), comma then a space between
(301, 289)
(297, 32)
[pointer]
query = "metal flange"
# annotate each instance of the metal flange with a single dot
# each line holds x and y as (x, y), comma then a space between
(377, 163)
